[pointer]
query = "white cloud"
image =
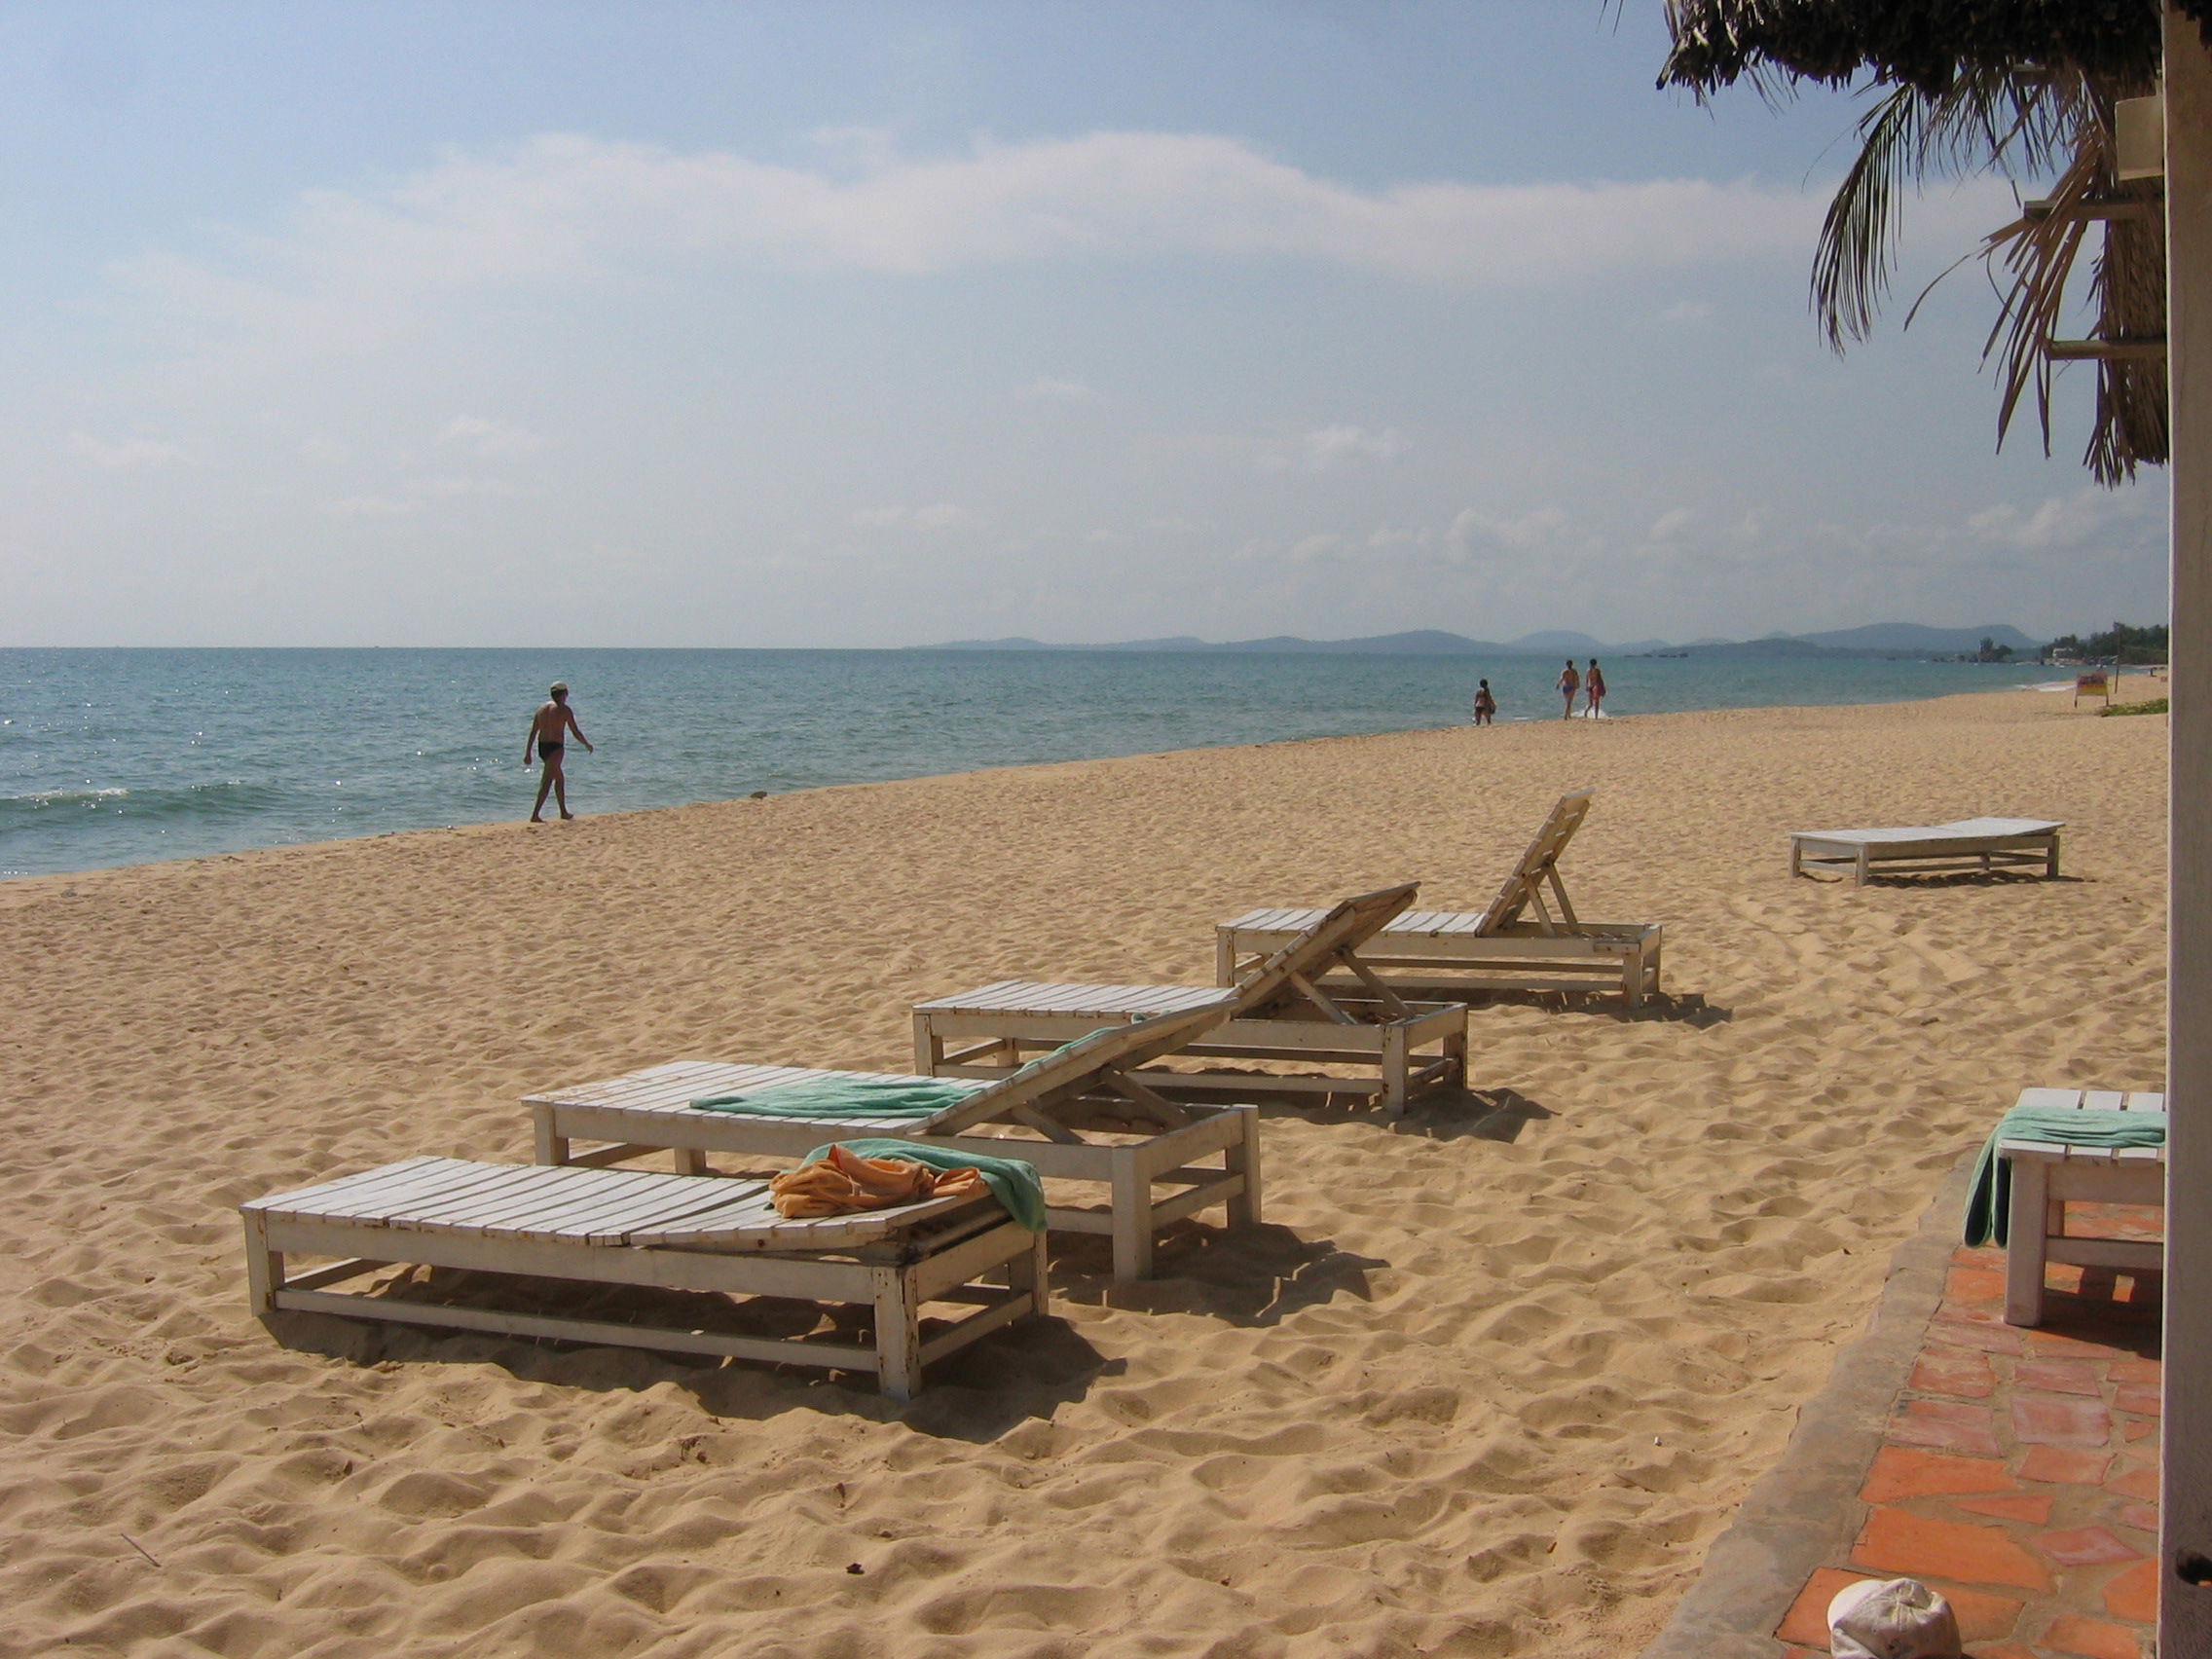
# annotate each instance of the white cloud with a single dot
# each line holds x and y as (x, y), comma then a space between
(2059, 522)
(417, 494)
(1046, 390)
(1669, 525)
(1342, 445)
(349, 270)
(124, 454)
(486, 437)
(944, 515)
(1474, 533)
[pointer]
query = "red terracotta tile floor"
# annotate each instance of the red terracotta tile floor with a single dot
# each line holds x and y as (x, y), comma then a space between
(2019, 1473)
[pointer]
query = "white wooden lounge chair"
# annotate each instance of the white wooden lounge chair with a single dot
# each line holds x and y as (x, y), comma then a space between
(634, 1227)
(1078, 1115)
(1972, 843)
(1283, 1012)
(2046, 1174)
(1502, 948)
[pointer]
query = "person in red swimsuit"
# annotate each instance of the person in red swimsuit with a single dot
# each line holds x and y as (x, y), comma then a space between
(549, 730)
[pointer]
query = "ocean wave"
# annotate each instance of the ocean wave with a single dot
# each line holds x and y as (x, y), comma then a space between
(228, 798)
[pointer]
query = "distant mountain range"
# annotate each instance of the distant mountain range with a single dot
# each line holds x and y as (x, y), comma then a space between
(1878, 639)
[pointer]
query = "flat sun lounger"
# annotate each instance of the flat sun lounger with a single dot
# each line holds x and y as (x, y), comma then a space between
(1972, 843)
(1453, 953)
(2046, 1173)
(638, 1228)
(1282, 1012)
(1079, 1113)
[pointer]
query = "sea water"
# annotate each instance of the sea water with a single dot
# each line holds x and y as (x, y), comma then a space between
(125, 757)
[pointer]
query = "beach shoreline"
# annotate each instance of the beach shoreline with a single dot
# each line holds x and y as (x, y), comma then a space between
(1483, 1385)
(2144, 685)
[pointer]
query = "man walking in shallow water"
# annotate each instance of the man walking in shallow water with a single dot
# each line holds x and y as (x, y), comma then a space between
(549, 730)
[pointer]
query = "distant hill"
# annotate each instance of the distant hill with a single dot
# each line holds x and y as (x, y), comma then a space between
(1878, 639)
(1912, 637)
(1419, 642)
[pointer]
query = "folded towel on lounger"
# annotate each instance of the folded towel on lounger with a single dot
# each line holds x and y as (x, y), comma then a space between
(876, 1174)
(1989, 1200)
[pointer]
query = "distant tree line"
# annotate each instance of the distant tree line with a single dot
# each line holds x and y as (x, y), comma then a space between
(2121, 643)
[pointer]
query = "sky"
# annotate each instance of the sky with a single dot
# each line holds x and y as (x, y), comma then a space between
(833, 324)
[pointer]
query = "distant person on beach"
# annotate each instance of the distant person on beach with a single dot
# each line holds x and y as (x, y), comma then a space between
(549, 730)
(1594, 690)
(1485, 706)
(1569, 683)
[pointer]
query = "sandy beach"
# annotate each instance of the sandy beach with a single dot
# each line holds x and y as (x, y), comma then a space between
(1486, 1383)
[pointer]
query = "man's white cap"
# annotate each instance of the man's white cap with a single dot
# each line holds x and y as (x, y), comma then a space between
(1892, 1618)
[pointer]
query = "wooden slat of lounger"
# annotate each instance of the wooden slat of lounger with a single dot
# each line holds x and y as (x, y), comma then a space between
(564, 1208)
(1072, 1001)
(814, 1233)
(1277, 919)
(608, 1218)
(297, 1199)
(376, 1195)
(746, 1210)
(573, 1207)
(478, 1206)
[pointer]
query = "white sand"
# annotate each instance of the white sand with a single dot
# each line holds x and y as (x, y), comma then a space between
(1484, 1386)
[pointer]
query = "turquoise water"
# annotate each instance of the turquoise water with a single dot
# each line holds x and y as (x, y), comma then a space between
(125, 757)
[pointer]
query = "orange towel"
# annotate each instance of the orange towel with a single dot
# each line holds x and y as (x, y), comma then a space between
(843, 1182)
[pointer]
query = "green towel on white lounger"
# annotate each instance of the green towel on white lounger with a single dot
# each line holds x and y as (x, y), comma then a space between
(1015, 1183)
(1990, 1199)
(831, 1097)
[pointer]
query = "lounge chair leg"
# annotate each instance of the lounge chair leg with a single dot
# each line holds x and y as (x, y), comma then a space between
(263, 1266)
(2051, 865)
(1455, 1051)
(1395, 1064)
(1243, 1157)
(928, 1051)
(898, 1333)
(690, 1161)
(551, 1148)
(1224, 957)
(1132, 1198)
(1026, 1274)
(2025, 1222)
(1860, 880)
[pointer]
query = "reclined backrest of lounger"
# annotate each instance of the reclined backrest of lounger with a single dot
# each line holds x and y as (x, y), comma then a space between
(1540, 863)
(1067, 1070)
(1320, 947)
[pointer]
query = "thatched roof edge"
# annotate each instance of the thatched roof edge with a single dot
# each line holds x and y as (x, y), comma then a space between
(1925, 45)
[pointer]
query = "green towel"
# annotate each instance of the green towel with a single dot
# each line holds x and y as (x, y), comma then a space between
(1013, 1182)
(1990, 1198)
(845, 1098)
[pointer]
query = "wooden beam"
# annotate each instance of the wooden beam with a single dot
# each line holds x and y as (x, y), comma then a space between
(2108, 351)
(2126, 207)
(2185, 1597)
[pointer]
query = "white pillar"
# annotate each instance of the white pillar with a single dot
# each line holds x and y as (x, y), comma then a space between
(2185, 1617)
